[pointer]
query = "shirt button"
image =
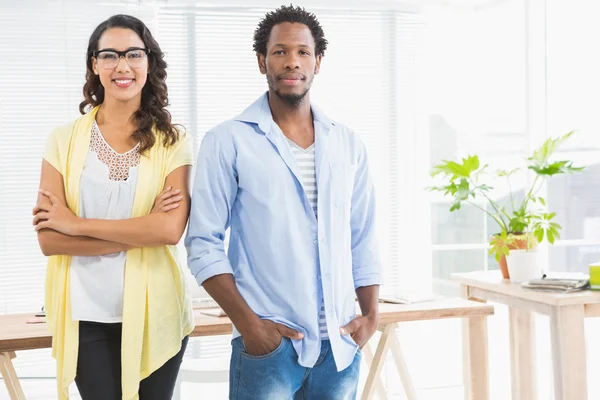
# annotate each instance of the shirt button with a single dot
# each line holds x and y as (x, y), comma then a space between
(319, 277)
(315, 241)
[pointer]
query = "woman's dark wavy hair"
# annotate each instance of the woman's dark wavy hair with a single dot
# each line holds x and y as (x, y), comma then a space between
(153, 109)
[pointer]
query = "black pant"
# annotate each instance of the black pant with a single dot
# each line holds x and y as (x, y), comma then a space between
(99, 366)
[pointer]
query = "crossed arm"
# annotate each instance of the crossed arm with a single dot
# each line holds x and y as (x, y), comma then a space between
(60, 232)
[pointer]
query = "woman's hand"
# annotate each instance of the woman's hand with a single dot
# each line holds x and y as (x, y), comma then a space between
(167, 200)
(54, 215)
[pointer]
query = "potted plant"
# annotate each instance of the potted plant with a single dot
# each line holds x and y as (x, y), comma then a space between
(521, 224)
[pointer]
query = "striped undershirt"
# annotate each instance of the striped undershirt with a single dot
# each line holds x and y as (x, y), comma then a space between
(305, 159)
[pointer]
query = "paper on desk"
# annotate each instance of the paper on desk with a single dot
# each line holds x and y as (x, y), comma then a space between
(409, 297)
(36, 320)
(214, 312)
(203, 302)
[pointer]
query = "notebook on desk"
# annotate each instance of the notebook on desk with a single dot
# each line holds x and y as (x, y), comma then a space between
(559, 283)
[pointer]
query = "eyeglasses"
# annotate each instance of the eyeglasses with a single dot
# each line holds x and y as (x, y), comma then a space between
(109, 59)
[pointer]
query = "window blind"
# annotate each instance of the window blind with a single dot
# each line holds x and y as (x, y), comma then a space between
(367, 81)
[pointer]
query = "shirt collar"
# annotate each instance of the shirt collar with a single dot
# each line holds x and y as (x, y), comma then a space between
(259, 113)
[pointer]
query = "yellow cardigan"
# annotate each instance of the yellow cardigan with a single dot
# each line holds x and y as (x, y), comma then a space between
(157, 311)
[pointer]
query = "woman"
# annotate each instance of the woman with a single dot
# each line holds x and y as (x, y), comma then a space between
(116, 298)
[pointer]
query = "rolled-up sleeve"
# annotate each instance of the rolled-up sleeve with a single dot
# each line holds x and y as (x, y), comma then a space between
(366, 261)
(213, 193)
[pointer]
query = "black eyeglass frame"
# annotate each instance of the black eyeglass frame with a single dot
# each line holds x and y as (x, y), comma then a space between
(95, 53)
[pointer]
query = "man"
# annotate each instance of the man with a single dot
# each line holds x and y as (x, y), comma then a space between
(295, 191)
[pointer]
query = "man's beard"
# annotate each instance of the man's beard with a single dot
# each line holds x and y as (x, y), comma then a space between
(292, 99)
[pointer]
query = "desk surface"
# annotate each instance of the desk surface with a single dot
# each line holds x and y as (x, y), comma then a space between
(16, 334)
(492, 281)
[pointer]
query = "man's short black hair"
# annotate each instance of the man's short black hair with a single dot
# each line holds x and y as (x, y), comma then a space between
(289, 14)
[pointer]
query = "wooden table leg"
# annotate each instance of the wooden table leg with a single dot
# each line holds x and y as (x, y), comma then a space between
(388, 341)
(11, 380)
(368, 353)
(522, 354)
(409, 388)
(475, 355)
(568, 352)
(378, 361)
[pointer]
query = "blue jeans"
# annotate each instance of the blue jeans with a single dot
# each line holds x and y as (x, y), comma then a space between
(278, 376)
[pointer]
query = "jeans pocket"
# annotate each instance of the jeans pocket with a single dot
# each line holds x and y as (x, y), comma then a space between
(264, 356)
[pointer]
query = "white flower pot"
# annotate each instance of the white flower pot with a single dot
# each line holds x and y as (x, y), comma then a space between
(523, 265)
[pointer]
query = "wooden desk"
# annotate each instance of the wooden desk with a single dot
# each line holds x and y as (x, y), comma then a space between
(475, 350)
(566, 311)
(17, 335)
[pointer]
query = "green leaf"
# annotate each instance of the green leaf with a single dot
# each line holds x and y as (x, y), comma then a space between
(450, 189)
(519, 222)
(499, 245)
(471, 163)
(482, 170)
(463, 190)
(455, 205)
(451, 168)
(539, 234)
(435, 188)
(543, 153)
(502, 172)
(550, 236)
(542, 201)
(540, 160)
(456, 170)
(484, 188)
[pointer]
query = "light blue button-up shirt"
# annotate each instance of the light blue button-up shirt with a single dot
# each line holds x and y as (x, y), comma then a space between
(284, 259)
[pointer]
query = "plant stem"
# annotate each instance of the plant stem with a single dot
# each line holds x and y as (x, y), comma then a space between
(512, 201)
(538, 189)
(499, 221)
(493, 204)
(528, 196)
(497, 208)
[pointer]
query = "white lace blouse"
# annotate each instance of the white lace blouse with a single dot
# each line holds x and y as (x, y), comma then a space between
(108, 185)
